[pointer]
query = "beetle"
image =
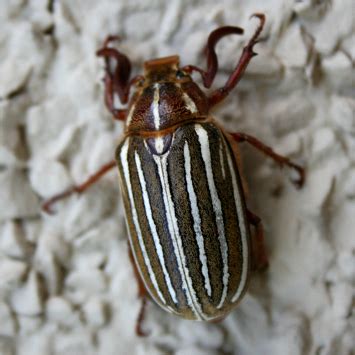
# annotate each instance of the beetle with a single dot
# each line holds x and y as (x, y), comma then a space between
(188, 222)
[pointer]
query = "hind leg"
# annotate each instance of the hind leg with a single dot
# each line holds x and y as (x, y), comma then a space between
(142, 294)
(260, 258)
(240, 137)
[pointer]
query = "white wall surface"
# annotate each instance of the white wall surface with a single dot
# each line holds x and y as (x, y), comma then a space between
(66, 285)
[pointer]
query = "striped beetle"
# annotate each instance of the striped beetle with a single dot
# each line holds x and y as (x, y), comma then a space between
(187, 218)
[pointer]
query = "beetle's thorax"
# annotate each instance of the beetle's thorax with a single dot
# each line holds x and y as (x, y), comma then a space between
(165, 98)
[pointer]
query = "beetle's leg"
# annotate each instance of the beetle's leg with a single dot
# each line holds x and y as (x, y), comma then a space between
(139, 331)
(117, 76)
(260, 259)
(247, 54)
(142, 294)
(212, 60)
(281, 160)
(46, 206)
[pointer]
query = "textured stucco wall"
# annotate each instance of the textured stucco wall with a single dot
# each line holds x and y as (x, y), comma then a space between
(66, 285)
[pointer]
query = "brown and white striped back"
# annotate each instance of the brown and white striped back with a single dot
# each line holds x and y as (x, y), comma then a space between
(186, 216)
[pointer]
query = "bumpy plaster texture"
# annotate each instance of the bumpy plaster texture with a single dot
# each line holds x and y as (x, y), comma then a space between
(66, 284)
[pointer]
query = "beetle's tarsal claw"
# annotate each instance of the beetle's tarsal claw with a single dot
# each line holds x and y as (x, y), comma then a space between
(258, 15)
(254, 39)
(46, 207)
(261, 17)
(108, 40)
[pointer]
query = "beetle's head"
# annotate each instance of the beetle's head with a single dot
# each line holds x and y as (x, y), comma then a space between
(166, 96)
(164, 70)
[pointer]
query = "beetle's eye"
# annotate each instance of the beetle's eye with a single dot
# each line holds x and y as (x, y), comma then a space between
(180, 74)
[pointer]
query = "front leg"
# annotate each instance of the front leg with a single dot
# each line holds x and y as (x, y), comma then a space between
(281, 160)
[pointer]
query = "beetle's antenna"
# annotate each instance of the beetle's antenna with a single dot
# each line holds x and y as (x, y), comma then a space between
(248, 53)
(120, 75)
(212, 60)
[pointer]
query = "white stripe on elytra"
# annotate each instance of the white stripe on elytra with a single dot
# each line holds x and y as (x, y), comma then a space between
(243, 232)
(171, 310)
(217, 207)
(197, 219)
(221, 159)
(187, 285)
(159, 144)
(189, 104)
(153, 228)
(156, 107)
(159, 141)
(124, 161)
